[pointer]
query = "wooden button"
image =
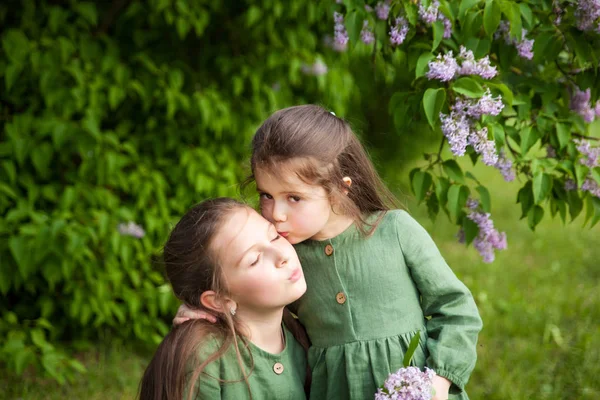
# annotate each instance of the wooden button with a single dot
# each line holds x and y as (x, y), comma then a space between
(340, 298)
(278, 368)
(329, 249)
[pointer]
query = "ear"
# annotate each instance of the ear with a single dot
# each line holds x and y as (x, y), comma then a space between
(348, 182)
(212, 302)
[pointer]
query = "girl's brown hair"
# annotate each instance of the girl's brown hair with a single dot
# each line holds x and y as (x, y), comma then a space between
(322, 149)
(192, 269)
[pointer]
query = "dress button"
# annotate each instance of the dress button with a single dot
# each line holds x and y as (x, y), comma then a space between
(278, 368)
(340, 298)
(329, 249)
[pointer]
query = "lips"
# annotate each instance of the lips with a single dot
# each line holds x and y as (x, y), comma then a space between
(296, 275)
(284, 234)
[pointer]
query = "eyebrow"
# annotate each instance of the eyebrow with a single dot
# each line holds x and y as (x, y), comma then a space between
(285, 191)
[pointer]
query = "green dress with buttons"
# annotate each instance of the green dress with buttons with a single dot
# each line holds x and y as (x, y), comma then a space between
(366, 299)
(273, 376)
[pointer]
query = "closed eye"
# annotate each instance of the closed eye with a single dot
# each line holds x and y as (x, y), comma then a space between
(255, 261)
(276, 237)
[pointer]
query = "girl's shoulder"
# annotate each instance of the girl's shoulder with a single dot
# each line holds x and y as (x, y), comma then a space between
(395, 220)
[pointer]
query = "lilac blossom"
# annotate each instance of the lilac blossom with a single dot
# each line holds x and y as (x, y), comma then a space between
(486, 105)
(456, 128)
(382, 9)
(488, 239)
(316, 69)
(430, 14)
(469, 66)
(366, 34)
(597, 109)
(409, 383)
(524, 46)
(591, 186)
(570, 185)
(398, 31)
(368, 8)
(483, 146)
(340, 37)
(505, 166)
(558, 12)
(447, 25)
(550, 152)
(131, 229)
(587, 12)
(443, 67)
(580, 103)
(591, 155)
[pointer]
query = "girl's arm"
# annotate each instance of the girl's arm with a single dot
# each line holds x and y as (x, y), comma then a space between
(454, 322)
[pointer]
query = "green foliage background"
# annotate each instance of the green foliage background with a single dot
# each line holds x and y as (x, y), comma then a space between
(121, 111)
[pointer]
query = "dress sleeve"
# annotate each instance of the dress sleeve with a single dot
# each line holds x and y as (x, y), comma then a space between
(208, 383)
(453, 321)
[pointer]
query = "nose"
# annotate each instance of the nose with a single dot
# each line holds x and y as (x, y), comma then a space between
(282, 259)
(279, 214)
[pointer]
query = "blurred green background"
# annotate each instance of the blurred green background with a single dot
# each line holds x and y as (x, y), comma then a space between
(129, 111)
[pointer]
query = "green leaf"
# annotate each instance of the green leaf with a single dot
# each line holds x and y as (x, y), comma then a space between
(16, 46)
(452, 169)
(421, 183)
(470, 228)
(353, 23)
(414, 342)
(575, 204)
(88, 11)
(542, 185)
(491, 17)
(253, 15)
(12, 73)
(534, 216)
(468, 87)
(438, 34)
(433, 206)
(596, 204)
(41, 157)
(581, 173)
(20, 252)
(441, 190)
(433, 100)
(465, 6)
(423, 64)
(485, 198)
(457, 199)
(563, 134)
(529, 136)
(527, 14)
(525, 198)
(507, 94)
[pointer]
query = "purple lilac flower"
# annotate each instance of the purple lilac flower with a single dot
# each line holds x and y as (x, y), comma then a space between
(480, 67)
(447, 25)
(588, 11)
(591, 155)
(316, 69)
(430, 14)
(398, 31)
(550, 152)
(524, 46)
(597, 109)
(456, 128)
(340, 36)
(488, 239)
(506, 167)
(580, 103)
(486, 105)
(131, 229)
(382, 9)
(558, 12)
(590, 185)
(368, 8)
(472, 204)
(443, 67)
(482, 145)
(366, 34)
(408, 383)
(570, 185)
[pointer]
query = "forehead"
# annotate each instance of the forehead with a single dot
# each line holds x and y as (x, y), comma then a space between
(241, 230)
(284, 179)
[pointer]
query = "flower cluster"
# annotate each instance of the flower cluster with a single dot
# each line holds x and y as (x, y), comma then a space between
(399, 31)
(506, 167)
(524, 46)
(591, 155)
(590, 185)
(366, 34)
(447, 67)
(570, 185)
(382, 9)
(408, 383)
(131, 229)
(316, 69)
(488, 239)
(458, 127)
(431, 14)
(340, 35)
(580, 103)
(587, 12)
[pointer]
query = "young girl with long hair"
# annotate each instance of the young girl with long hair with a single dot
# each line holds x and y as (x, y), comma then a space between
(223, 256)
(375, 277)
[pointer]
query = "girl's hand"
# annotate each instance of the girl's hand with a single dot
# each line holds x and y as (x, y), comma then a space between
(186, 313)
(441, 386)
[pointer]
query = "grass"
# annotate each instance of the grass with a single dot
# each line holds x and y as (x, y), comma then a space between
(540, 302)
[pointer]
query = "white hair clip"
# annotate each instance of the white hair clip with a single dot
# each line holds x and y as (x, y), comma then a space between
(332, 113)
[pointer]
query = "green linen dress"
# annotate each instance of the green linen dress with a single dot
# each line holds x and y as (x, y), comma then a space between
(367, 297)
(274, 376)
